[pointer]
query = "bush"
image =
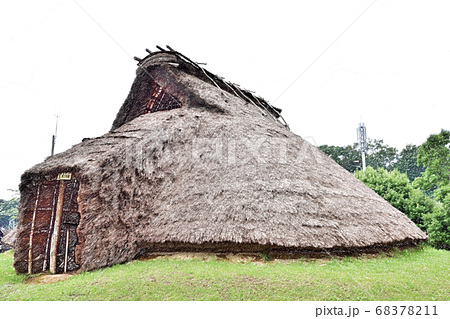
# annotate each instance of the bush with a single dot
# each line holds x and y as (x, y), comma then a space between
(438, 229)
(419, 206)
(438, 225)
(396, 188)
(430, 215)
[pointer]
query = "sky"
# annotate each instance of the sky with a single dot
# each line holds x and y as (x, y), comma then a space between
(329, 65)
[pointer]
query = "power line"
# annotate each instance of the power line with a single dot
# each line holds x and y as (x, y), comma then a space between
(98, 24)
(324, 51)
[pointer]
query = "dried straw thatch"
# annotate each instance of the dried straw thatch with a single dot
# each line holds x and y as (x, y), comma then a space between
(7, 239)
(217, 172)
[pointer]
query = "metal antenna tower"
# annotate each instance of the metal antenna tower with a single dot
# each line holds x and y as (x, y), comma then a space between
(362, 139)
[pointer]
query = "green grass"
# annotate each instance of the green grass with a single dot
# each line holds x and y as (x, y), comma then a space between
(415, 274)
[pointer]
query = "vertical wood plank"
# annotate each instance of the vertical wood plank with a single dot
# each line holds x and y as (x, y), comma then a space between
(52, 220)
(30, 251)
(56, 229)
(67, 250)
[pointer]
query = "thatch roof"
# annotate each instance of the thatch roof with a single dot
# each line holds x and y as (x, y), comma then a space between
(216, 173)
(7, 239)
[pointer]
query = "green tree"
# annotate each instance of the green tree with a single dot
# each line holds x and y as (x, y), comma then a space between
(407, 162)
(380, 155)
(435, 155)
(438, 225)
(349, 157)
(346, 156)
(396, 188)
(8, 210)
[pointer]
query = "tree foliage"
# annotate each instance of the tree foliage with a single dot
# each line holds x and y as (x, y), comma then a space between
(380, 155)
(346, 156)
(438, 225)
(396, 188)
(416, 181)
(8, 210)
(435, 155)
(407, 162)
(349, 157)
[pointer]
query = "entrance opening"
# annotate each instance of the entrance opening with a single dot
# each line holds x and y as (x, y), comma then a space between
(53, 221)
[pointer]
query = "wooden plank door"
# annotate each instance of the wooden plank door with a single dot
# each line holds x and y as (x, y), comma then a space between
(53, 222)
(65, 252)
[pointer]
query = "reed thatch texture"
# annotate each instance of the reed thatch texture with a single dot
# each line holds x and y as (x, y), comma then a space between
(8, 239)
(217, 174)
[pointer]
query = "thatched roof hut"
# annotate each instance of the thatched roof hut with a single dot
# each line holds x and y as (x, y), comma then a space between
(195, 163)
(7, 239)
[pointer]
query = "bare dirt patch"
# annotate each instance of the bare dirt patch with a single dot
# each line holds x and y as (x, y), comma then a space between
(48, 279)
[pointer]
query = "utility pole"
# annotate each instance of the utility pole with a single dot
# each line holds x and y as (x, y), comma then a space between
(362, 139)
(54, 136)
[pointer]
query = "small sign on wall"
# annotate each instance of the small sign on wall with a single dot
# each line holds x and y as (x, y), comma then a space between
(64, 176)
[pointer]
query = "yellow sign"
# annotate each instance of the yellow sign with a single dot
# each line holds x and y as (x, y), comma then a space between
(64, 176)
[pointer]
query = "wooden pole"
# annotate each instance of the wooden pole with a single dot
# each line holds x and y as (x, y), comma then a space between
(49, 235)
(56, 229)
(67, 250)
(53, 145)
(54, 136)
(30, 250)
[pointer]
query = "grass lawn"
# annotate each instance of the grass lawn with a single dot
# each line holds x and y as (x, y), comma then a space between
(414, 274)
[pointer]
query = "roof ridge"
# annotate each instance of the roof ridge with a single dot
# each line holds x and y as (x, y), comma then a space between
(220, 83)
